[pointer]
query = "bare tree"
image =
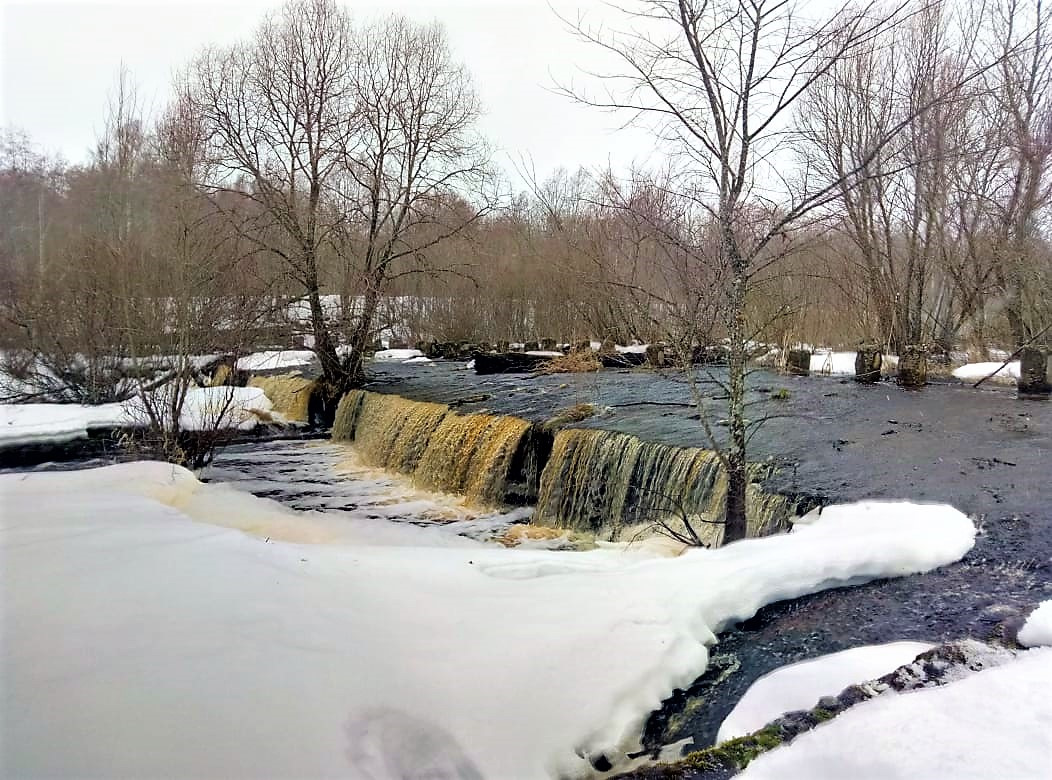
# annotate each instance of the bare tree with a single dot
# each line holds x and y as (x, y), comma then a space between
(718, 81)
(1022, 85)
(415, 173)
(347, 142)
(279, 116)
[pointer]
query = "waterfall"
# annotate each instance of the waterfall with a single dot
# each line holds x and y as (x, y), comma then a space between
(477, 455)
(606, 483)
(588, 480)
(290, 393)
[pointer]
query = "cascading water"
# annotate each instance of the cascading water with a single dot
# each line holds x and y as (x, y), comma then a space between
(604, 482)
(290, 394)
(471, 454)
(587, 480)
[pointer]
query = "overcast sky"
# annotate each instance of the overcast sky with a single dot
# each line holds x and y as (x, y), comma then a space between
(60, 59)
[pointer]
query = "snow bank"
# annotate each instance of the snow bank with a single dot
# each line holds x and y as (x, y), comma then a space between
(22, 424)
(973, 372)
(544, 353)
(828, 362)
(205, 408)
(275, 359)
(398, 355)
(800, 686)
(1037, 630)
(997, 723)
(141, 643)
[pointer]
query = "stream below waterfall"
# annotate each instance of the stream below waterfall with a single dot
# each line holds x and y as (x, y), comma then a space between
(328, 476)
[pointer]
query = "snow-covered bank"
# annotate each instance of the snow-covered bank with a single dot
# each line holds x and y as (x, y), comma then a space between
(996, 723)
(204, 408)
(400, 356)
(142, 643)
(799, 686)
(973, 372)
(22, 424)
(275, 360)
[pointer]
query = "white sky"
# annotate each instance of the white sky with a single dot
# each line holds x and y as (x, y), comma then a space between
(59, 60)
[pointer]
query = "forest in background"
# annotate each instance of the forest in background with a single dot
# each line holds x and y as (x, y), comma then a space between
(329, 158)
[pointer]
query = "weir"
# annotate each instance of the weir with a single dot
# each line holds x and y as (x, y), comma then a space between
(609, 483)
(480, 456)
(588, 480)
(290, 394)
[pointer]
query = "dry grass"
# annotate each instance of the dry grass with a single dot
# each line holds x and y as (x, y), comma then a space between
(571, 414)
(221, 376)
(574, 363)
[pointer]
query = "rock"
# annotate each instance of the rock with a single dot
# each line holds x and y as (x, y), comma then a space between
(622, 359)
(1035, 373)
(867, 363)
(548, 345)
(798, 362)
(655, 355)
(913, 367)
(506, 362)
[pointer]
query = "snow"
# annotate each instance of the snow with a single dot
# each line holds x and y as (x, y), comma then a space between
(399, 356)
(632, 349)
(972, 372)
(143, 640)
(208, 408)
(996, 723)
(204, 408)
(544, 353)
(1037, 630)
(275, 359)
(22, 424)
(829, 362)
(799, 686)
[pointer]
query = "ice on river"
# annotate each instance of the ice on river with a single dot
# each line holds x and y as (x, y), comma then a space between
(1037, 631)
(799, 686)
(143, 639)
(996, 723)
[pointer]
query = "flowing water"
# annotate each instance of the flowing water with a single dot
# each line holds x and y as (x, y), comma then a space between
(331, 476)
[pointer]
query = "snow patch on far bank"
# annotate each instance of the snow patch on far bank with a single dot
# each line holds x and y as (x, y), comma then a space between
(973, 372)
(400, 356)
(275, 359)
